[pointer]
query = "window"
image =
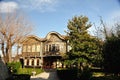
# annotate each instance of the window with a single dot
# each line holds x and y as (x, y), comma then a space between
(52, 47)
(32, 61)
(38, 62)
(38, 48)
(57, 47)
(27, 61)
(24, 48)
(33, 48)
(46, 47)
(29, 48)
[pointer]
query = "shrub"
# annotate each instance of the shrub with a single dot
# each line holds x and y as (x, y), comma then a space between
(14, 66)
(67, 74)
(86, 74)
(19, 77)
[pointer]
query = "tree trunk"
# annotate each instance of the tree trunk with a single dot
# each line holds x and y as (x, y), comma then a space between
(8, 51)
(81, 66)
(3, 52)
(9, 54)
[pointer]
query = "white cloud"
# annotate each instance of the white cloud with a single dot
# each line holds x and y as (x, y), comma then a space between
(41, 5)
(8, 7)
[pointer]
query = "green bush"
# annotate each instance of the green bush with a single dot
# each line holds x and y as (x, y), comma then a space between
(74, 74)
(14, 66)
(19, 77)
(86, 74)
(67, 74)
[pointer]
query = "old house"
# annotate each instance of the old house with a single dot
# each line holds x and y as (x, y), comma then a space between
(44, 52)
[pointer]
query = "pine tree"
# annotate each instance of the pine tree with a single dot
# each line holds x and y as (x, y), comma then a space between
(84, 46)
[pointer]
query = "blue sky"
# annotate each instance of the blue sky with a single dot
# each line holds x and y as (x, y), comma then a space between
(53, 15)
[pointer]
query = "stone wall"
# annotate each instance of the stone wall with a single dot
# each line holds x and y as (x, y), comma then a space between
(3, 70)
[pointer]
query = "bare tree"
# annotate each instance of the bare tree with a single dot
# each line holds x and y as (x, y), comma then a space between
(103, 31)
(13, 28)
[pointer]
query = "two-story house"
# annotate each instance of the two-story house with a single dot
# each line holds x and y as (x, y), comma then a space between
(44, 52)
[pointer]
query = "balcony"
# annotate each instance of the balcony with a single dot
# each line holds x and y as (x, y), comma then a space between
(51, 53)
(30, 54)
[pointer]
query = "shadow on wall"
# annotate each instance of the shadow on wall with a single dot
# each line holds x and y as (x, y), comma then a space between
(3, 70)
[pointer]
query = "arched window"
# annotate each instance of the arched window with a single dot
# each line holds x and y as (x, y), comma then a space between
(37, 62)
(27, 61)
(32, 61)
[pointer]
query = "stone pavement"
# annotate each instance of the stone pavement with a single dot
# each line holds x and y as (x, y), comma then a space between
(47, 75)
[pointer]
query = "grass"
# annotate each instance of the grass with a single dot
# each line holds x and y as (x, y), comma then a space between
(98, 74)
(106, 78)
(29, 70)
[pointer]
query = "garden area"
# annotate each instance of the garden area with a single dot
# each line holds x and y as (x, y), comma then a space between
(18, 73)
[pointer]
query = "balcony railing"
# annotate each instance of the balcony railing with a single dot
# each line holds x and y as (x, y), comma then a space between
(31, 54)
(51, 53)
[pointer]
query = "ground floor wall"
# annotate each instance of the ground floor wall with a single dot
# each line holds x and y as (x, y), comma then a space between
(45, 62)
(52, 62)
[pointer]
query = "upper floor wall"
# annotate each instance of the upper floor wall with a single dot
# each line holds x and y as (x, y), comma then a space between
(52, 44)
(31, 46)
(55, 44)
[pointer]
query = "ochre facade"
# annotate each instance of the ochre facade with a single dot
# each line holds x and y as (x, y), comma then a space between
(44, 52)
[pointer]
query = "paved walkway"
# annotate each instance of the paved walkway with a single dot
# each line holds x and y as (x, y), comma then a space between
(47, 75)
